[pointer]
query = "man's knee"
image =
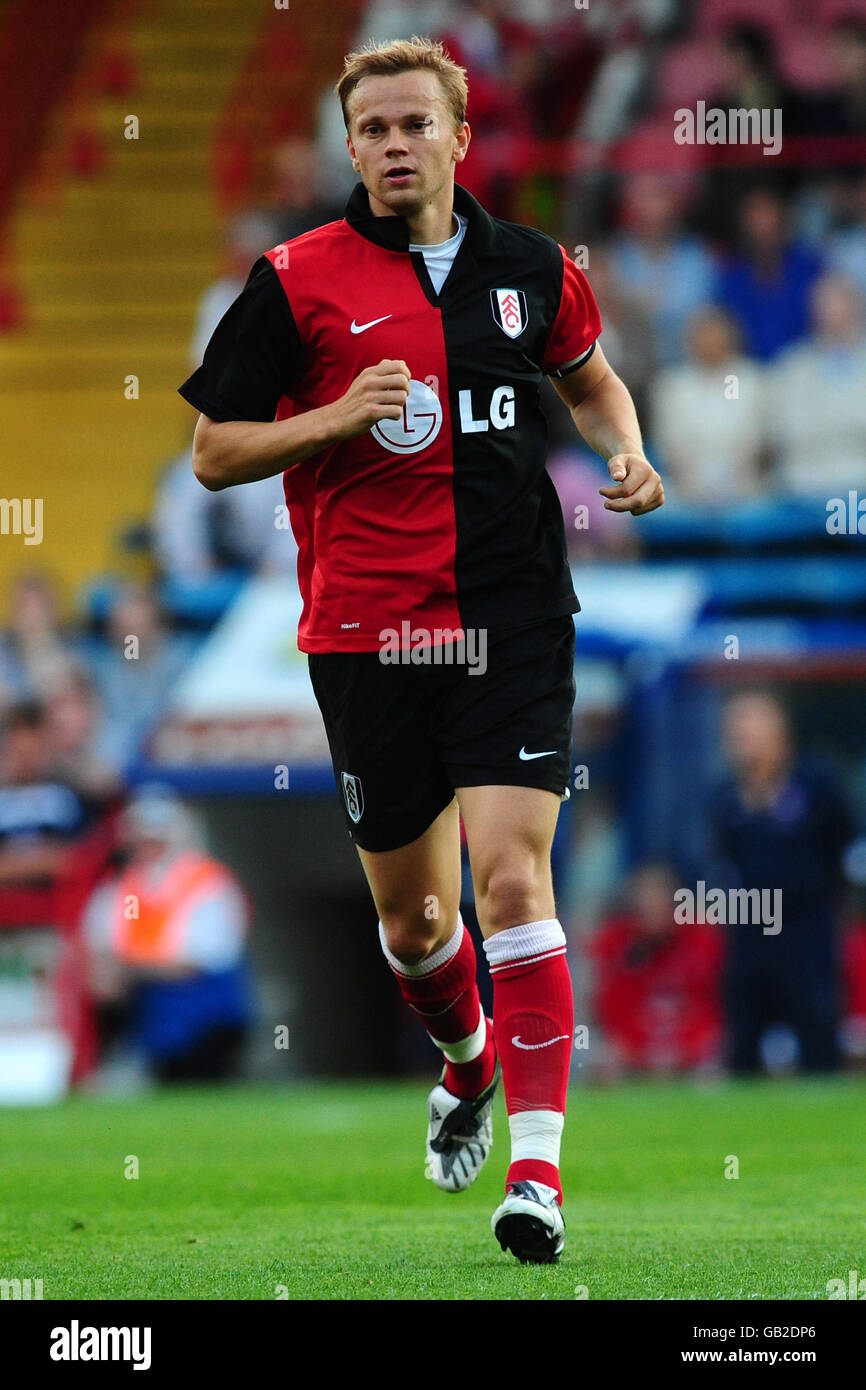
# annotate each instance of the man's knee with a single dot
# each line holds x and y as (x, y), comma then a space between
(512, 894)
(412, 936)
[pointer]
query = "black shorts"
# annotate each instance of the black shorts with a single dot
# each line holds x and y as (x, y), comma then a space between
(403, 736)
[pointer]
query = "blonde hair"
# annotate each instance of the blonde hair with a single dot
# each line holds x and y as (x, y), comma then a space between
(405, 55)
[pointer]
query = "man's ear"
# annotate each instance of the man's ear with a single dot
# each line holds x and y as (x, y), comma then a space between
(462, 138)
(351, 148)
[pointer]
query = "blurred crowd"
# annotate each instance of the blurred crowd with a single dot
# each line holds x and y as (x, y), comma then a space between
(123, 874)
(90, 694)
(776, 985)
(732, 296)
(165, 924)
(733, 301)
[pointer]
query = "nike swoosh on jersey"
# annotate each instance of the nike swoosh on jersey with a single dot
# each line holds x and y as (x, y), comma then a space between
(362, 327)
(526, 757)
(534, 1047)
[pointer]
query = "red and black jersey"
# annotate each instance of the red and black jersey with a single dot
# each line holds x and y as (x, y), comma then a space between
(447, 518)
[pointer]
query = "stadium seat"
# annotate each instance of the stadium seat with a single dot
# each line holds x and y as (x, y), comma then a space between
(803, 62)
(687, 72)
(830, 11)
(713, 16)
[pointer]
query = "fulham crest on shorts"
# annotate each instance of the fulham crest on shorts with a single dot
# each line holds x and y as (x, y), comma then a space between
(354, 795)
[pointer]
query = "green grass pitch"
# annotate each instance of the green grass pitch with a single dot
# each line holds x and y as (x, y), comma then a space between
(318, 1192)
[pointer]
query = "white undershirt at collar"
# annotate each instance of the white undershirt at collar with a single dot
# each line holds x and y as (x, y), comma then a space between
(440, 258)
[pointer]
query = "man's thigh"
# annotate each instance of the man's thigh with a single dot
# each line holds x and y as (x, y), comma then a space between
(509, 834)
(418, 885)
(379, 722)
(511, 724)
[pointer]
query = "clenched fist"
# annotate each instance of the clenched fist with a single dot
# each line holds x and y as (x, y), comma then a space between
(377, 393)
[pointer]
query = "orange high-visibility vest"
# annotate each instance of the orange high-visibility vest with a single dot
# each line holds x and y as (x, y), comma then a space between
(150, 917)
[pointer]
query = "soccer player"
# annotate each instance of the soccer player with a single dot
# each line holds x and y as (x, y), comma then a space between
(388, 365)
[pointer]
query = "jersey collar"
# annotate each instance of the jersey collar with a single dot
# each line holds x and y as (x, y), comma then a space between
(392, 233)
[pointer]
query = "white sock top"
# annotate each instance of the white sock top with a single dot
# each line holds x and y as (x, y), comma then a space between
(532, 941)
(431, 963)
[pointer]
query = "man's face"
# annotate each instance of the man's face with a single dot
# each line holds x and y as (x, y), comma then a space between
(756, 733)
(712, 339)
(652, 898)
(763, 221)
(24, 755)
(402, 136)
(835, 309)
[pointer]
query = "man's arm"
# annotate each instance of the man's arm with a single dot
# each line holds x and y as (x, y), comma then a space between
(604, 413)
(242, 451)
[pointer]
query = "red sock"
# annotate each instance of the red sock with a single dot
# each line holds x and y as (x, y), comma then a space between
(442, 991)
(533, 1021)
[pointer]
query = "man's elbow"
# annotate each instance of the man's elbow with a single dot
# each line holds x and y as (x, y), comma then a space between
(206, 473)
(205, 463)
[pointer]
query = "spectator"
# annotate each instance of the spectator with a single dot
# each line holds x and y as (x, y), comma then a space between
(846, 251)
(818, 397)
(843, 109)
(657, 982)
(167, 941)
(708, 416)
(765, 286)
(298, 199)
(751, 79)
(247, 238)
(780, 823)
(34, 653)
(197, 533)
(502, 59)
(667, 272)
(569, 57)
(134, 673)
(628, 340)
(73, 718)
(836, 175)
(625, 36)
(41, 815)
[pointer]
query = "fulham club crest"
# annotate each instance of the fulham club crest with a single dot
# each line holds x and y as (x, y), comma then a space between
(353, 794)
(509, 311)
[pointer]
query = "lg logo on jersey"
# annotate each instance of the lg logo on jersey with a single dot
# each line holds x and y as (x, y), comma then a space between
(422, 418)
(419, 426)
(501, 414)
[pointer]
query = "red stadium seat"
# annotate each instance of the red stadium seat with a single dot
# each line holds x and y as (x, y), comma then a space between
(687, 72)
(805, 63)
(650, 148)
(829, 11)
(776, 15)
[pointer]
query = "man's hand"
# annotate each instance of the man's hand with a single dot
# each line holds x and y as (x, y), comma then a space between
(377, 393)
(245, 451)
(638, 486)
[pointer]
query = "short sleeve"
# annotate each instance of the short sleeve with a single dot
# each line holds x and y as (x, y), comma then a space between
(253, 355)
(577, 324)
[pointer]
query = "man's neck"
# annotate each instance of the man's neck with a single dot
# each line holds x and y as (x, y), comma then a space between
(453, 229)
(429, 226)
(761, 787)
